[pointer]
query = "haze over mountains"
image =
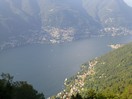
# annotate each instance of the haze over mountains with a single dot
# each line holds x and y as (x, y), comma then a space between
(55, 21)
(129, 2)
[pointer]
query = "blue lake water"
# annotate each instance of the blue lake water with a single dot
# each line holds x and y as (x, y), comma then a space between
(46, 66)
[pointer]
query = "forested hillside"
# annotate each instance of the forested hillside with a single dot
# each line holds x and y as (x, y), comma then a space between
(109, 77)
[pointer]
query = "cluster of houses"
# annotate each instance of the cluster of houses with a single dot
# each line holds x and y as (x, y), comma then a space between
(79, 82)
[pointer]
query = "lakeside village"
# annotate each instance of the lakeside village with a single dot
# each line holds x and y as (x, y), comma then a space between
(75, 85)
(115, 46)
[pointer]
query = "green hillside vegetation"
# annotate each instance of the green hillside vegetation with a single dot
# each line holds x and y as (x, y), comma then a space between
(17, 90)
(106, 77)
(113, 68)
(113, 73)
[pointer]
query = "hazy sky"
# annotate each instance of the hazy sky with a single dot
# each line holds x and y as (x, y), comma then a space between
(129, 2)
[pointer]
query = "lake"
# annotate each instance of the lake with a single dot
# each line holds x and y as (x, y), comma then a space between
(46, 66)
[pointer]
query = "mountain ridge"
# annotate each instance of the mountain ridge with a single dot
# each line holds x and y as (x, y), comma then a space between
(56, 21)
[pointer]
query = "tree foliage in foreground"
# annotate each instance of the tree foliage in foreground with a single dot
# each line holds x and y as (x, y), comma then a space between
(17, 90)
(92, 94)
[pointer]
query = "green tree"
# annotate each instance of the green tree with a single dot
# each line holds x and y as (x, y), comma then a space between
(127, 94)
(100, 96)
(26, 91)
(17, 90)
(6, 88)
(77, 96)
(89, 94)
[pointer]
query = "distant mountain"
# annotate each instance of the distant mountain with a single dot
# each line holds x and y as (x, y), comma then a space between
(64, 19)
(40, 21)
(109, 75)
(109, 13)
(114, 15)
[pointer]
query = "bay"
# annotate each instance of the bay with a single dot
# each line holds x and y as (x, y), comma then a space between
(46, 66)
